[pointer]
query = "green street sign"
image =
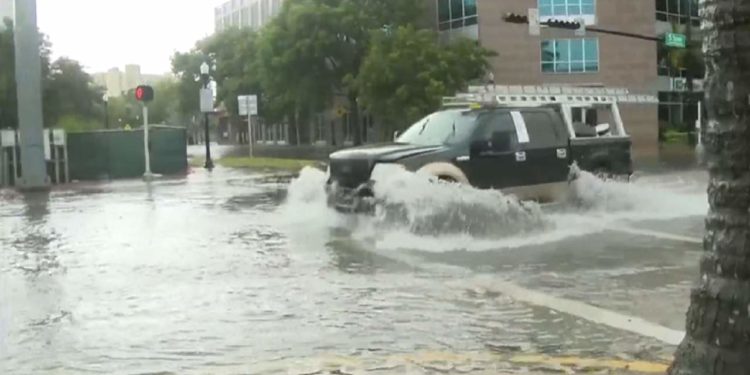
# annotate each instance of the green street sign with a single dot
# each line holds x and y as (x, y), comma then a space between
(675, 40)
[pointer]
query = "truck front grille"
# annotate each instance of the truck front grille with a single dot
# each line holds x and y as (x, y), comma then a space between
(350, 173)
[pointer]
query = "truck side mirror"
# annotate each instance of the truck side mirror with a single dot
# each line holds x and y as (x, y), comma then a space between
(395, 135)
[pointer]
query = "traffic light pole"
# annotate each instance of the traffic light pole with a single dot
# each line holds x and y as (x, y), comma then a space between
(146, 149)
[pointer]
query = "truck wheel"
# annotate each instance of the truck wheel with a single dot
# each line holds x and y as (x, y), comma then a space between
(447, 179)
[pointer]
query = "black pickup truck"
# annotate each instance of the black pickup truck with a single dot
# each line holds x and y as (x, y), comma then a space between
(524, 151)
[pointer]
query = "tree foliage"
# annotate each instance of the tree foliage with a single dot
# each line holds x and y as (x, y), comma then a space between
(67, 90)
(406, 73)
(315, 52)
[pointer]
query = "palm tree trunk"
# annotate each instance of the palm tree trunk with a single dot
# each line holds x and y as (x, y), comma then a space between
(718, 321)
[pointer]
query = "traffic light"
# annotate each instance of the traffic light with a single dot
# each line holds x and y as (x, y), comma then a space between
(561, 24)
(515, 18)
(144, 93)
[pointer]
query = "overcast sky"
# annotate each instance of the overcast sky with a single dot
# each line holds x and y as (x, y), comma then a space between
(102, 34)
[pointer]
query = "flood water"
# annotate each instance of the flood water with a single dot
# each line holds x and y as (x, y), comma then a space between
(246, 273)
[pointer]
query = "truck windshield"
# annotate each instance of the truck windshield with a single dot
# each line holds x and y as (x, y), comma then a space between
(441, 128)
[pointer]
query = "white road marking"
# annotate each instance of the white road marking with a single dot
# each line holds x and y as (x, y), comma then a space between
(657, 234)
(584, 311)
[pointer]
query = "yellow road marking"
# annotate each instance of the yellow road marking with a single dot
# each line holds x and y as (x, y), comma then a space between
(611, 364)
(450, 360)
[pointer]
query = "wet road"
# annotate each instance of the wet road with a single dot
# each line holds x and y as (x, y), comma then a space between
(236, 272)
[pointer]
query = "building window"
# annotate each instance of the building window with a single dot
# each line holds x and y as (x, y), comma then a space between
(455, 14)
(566, 8)
(677, 11)
(570, 56)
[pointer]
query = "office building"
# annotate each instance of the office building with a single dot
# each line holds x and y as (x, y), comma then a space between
(132, 77)
(560, 57)
(246, 13)
(118, 82)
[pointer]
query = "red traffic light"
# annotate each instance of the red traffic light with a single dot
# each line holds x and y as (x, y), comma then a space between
(144, 93)
(563, 24)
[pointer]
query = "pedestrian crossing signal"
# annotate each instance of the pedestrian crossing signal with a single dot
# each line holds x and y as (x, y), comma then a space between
(144, 93)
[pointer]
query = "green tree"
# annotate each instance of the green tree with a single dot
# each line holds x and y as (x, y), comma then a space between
(406, 74)
(314, 49)
(69, 90)
(234, 53)
(164, 108)
(718, 320)
(293, 64)
(186, 67)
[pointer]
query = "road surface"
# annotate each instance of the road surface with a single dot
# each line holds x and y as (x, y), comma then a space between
(242, 272)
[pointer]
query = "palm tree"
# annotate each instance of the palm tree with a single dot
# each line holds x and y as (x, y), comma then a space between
(718, 321)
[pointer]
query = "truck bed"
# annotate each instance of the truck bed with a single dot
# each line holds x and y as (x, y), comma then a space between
(609, 155)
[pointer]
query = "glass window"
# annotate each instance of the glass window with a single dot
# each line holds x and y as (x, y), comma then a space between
(444, 127)
(570, 56)
(455, 14)
(542, 130)
(661, 5)
(566, 8)
(587, 7)
(470, 7)
(457, 9)
(444, 12)
(545, 8)
(498, 128)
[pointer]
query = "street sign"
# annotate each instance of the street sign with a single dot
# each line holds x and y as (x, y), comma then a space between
(7, 138)
(534, 27)
(675, 40)
(248, 105)
(58, 137)
(207, 100)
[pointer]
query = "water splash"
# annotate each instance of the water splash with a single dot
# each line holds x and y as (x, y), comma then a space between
(428, 207)
(637, 200)
(416, 212)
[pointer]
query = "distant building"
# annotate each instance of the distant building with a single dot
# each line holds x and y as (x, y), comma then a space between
(132, 77)
(246, 13)
(118, 82)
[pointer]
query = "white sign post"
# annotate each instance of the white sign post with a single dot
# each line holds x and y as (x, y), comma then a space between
(248, 106)
(147, 153)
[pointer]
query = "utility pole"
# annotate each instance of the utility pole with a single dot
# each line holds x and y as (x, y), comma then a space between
(29, 91)
(206, 99)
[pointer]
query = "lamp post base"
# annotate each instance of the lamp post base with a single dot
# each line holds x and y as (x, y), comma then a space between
(148, 176)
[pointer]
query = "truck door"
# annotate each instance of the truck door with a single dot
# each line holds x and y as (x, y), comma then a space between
(547, 152)
(495, 157)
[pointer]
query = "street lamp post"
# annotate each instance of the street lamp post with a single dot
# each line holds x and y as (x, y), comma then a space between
(105, 98)
(206, 79)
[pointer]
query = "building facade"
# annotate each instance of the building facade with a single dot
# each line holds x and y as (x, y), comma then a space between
(560, 57)
(246, 13)
(117, 82)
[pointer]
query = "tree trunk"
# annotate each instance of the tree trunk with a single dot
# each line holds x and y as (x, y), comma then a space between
(355, 120)
(718, 321)
(296, 127)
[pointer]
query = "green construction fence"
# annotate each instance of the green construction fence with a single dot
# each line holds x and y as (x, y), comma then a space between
(119, 154)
